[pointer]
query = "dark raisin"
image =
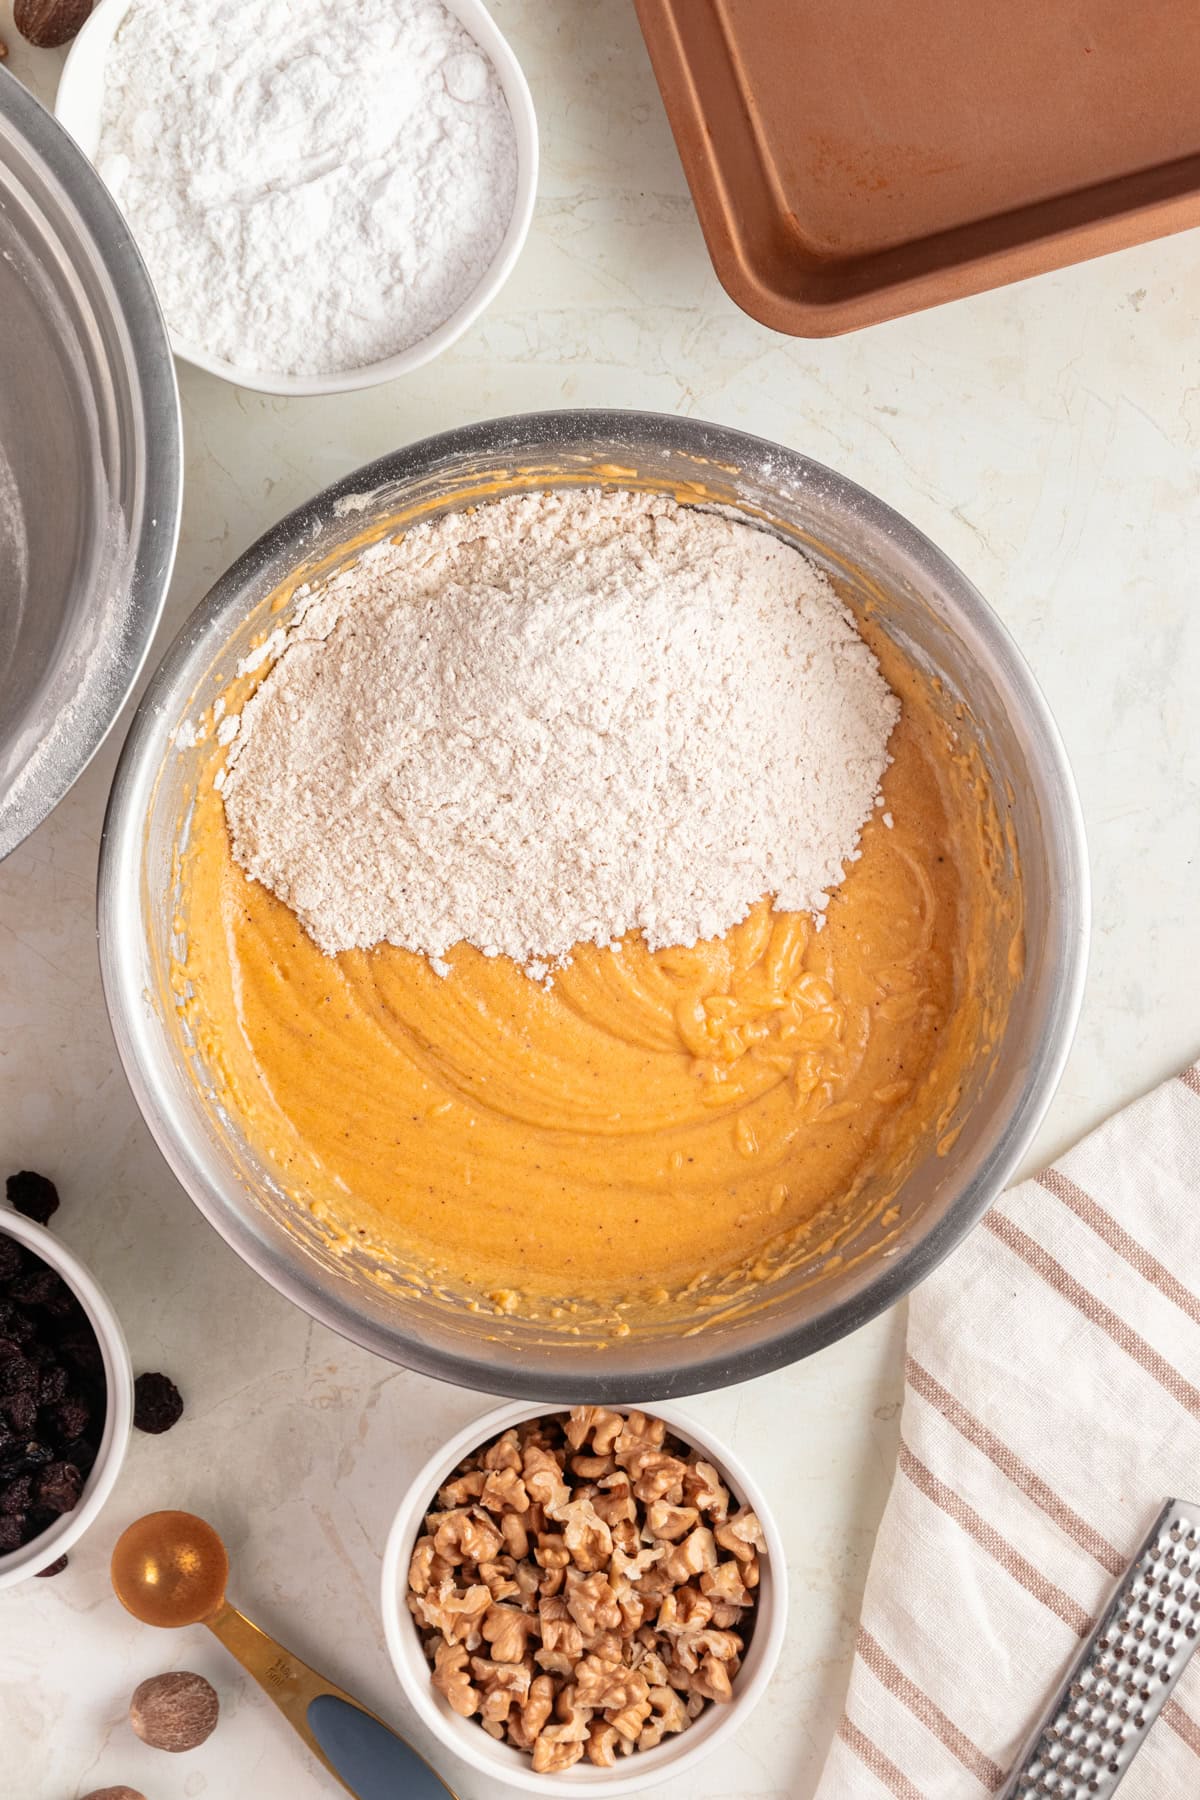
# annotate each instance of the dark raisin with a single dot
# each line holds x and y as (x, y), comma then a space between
(52, 1384)
(69, 1418)
(11, 1259)
(33, 1195)
(17, 1496)
(80, 1349)
(59, 1486)
(22, 1456)
(21, 1411)
(38, 1286)
(64, 1306)
(54, 1568)
(17, 1373)
(82, 1452)
(157, 1403)
(12, 1532)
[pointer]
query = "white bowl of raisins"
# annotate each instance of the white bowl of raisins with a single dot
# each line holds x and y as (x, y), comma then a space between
(66, 1398)
(584, 1598)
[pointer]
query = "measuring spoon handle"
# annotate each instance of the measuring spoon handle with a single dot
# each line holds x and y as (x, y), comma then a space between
(367, 1757)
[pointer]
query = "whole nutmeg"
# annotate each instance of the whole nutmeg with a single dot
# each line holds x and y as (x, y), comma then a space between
(48, 23)
(174, 1712)
(117, 1793)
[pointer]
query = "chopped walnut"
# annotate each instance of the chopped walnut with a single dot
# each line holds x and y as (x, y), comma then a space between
(552, 1552)
(598, 1424)
(505, 1453)
(551, 1754)
(544, 1480)
(630, 1719)
(508, 1631)
(609, 1646)
(726, 1582)
(420, 1566)
(724, 1646)
(573, 1715)
(670, 1522)
(658, 1476)
(633, 1608)
(712, 1681)
(650, 1664)
(585, 1586)
(465, 1537)
(562, 1640)
(601, 1739)
(501, 1684)
(685, 1609)
(639, 1432)
(615, 1501)
(592, 1468)
(703, 1488)
(456, 1613)
(539, 1706)
(516, 1535)
(451, 1678)
(667, 1714)
(591, 1602)
(499, 1578)
(742, 1535)
(528, 1579)
(600, 1684)
(562, 1634)
(697, 1553)
(632, 1568)
(504, 1491)
(626, 1536)
(462, 1491)
(551, 1582)
(587, 1537)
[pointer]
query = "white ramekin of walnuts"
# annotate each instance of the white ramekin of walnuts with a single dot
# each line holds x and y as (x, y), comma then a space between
(583, 1597)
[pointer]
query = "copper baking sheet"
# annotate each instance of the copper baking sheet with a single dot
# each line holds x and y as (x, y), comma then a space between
(852, 160)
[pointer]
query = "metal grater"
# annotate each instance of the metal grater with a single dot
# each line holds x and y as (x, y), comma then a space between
(1124, 1674)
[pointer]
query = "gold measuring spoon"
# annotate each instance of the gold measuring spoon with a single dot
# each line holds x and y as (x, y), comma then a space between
(170, 1569)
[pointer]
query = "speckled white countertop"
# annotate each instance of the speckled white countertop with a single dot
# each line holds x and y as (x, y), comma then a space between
(1047, 437)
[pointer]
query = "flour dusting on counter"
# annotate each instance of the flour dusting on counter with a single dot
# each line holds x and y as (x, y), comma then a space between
(314, 186)
(556, 719)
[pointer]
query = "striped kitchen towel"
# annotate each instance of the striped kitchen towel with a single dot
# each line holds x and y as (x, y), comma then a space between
(1052, 1402)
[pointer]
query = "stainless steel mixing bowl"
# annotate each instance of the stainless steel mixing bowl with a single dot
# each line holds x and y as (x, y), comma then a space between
(91, 466)
(925, 604)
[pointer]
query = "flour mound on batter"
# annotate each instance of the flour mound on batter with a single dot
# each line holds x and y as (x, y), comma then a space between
(555, 719)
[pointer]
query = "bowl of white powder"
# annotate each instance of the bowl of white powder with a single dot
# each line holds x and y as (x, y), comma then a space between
(326, 196)
(881, 564)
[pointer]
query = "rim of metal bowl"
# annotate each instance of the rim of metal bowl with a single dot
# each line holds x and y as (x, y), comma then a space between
(271, 558)
(150, 370)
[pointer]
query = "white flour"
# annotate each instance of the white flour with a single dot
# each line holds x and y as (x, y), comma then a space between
(314, 184)
(556, 719)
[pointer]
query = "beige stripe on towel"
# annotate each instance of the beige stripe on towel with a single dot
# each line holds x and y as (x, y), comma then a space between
(1051, 1403)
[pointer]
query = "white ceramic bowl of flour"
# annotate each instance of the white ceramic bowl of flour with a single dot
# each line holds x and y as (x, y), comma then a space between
(80, 107)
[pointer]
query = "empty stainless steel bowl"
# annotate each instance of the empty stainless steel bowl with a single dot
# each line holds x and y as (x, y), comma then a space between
(926, 605)
(91, 465)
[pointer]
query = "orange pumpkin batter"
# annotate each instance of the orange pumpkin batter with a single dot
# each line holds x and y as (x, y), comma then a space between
(650, 1122)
